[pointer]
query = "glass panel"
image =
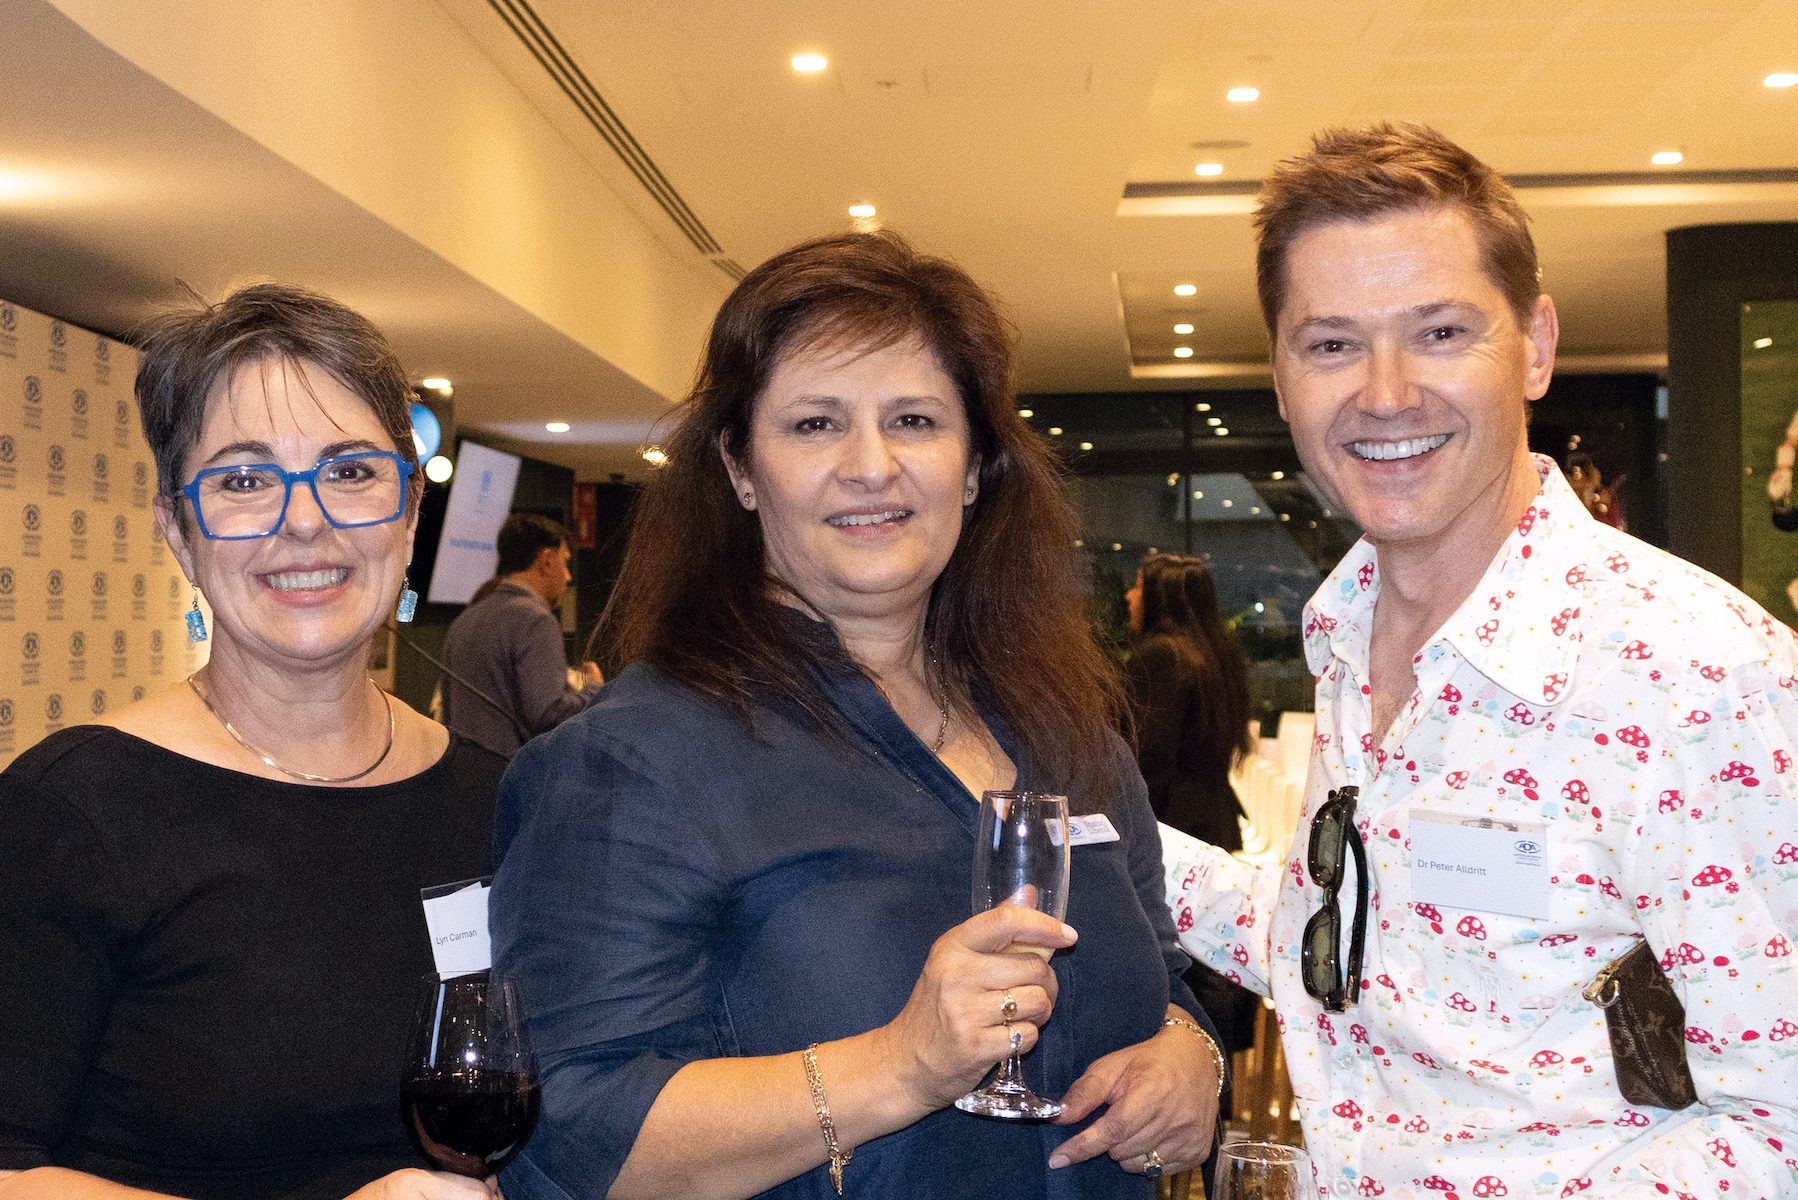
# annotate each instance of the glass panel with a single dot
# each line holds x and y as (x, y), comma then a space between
(1769, 437)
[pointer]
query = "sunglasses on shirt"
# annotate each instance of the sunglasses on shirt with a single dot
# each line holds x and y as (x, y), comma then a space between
(1329, 980)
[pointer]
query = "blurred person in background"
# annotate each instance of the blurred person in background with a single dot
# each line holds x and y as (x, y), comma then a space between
(210, 925)
(735, 889)
(507, 678)
(1188, 683)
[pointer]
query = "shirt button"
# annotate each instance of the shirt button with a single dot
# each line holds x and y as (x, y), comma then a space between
(1344, 1188)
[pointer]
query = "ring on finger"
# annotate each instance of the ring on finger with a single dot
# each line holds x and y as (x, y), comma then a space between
(1151, 1165)
(1008, 1009)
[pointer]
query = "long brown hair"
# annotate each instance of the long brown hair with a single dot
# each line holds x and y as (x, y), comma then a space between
(1179, 603)
(1006, 619)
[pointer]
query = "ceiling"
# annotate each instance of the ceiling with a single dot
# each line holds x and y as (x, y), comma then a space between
(546, 201)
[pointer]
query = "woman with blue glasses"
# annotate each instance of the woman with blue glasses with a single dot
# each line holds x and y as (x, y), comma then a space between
(210, 925)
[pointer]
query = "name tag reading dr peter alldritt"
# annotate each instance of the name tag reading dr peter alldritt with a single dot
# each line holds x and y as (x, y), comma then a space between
(456, 915)
(1479, 863)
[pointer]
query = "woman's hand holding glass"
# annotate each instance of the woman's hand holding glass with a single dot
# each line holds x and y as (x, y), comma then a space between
(953, 1028)
(1162, 1098)
(413, 1184)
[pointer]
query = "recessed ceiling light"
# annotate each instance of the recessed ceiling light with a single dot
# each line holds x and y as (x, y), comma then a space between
(1208, 169)
(1086, 445)
(1174, 479)
(1762, 343)
(1279, 475)
(809, 64)
(1182, 351)
(1198, 495)
(439, 469)
(1666, 158)
(1201, 407)
(1782, 79)
(1256, 510)
(1229, 503)
(862, 212)
(1186, 289)
(1214, 422)
(436, 383)
(1286, 516)
(1054, 431)
(1117, 545)
(655, 456)
(1243, 95)
(1026, 413)
(556, 426)
(1183, 328)
(1221, 431)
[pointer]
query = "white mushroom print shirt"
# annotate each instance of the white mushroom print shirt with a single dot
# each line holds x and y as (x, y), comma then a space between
(1631, 721)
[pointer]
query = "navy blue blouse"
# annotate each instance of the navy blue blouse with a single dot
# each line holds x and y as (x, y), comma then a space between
(673, 888)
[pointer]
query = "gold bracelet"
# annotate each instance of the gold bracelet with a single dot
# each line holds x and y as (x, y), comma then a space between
(839, 1158)
(1217, 1054)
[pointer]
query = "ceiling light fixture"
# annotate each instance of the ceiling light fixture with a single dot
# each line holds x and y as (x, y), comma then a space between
(1183, 328)
(1198, 495)
(1054, 431)
(1214, 422)
(438, 384)
(1243, 95)
(1782, 79)
(1086, 445)
(556, 426)
(1201, 408)
(1279, 475)
(1208, 169)
(655, 456)
(1221, 431)
(1182, 351)
(1228, 503)
(1026, 413)
(862, 212)
(439, 469)
(1762, 343)
(809, 64)
(1666, 158)
(1186, 289)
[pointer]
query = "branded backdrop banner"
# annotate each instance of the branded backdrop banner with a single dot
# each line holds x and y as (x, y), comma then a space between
(91, 600)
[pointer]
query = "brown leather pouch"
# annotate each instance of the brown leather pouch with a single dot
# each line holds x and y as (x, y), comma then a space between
(1647, 1025)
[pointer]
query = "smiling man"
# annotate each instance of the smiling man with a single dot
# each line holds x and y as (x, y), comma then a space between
(1540, 744)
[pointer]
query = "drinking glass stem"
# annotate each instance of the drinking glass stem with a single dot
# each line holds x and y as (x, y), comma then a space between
(1010, 1078)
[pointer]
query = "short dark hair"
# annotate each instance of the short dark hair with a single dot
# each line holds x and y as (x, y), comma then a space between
(1006, 618)
(186, 351)
(526, 535)
(1365, 174)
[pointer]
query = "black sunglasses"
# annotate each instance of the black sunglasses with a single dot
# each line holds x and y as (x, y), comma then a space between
(1333, 836)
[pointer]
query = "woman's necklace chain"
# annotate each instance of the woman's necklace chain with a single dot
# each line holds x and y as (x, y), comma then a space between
(942, 707)
(192, 682)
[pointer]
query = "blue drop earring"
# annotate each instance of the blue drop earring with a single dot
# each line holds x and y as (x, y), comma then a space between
(196, 621)
(408, 607)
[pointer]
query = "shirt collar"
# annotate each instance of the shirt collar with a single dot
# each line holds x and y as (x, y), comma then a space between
(1514, 628)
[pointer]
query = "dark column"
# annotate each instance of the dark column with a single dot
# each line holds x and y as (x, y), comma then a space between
(1712, 270)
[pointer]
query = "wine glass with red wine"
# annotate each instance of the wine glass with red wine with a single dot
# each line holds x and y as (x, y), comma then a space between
(469, 1091)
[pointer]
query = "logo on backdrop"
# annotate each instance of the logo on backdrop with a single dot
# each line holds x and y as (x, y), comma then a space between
(28, 664)
(78, 534)
(56, 479)
(34, 402)
(121, 529)
(9, 602)
(59, 347)
(97, 702)
(77, 656)
(5, 711)
(59, 334)
(9, 449)
(53, 709)
(31, 544)
(118, 653)
(98, 588)
(9, 318)
(32, 519)
(53, 602)
(9, 458)
(102, 486)
(6, 726)
(78, 425)
(99, 583)
(29, 646)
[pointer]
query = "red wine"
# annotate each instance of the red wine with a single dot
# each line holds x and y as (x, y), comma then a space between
(470, 1124)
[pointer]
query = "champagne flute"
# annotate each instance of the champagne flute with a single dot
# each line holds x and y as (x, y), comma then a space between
(1020, 857)
(469, 1091)
(1263, 1171)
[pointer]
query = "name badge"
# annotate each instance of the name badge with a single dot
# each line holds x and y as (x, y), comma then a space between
(456, 915)
(1480, 863)
(1090, 830)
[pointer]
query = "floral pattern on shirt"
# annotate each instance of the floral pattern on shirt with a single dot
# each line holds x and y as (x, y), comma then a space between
(1644, 711)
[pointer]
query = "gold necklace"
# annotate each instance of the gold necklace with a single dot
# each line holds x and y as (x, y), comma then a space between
(269, 761)
(942, 707)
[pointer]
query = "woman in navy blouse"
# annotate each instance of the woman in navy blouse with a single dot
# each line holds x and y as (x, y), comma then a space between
(852, 603)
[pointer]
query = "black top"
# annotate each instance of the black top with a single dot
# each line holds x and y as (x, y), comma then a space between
(207, 978)
(1189, 783)
(674, 888)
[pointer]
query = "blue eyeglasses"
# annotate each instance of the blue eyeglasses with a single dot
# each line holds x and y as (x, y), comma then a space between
(249, 500)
